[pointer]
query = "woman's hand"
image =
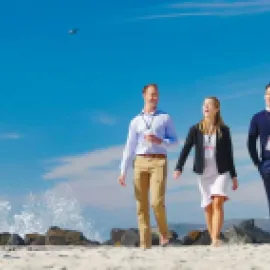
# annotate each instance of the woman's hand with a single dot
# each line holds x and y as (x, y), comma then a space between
(234, 183)
(176, 174)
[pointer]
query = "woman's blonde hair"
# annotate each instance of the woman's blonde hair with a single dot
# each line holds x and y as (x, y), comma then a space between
(218, 118)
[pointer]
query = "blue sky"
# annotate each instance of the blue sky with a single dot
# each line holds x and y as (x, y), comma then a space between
(67, 99)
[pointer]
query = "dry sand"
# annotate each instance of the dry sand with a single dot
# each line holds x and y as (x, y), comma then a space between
(182, 257)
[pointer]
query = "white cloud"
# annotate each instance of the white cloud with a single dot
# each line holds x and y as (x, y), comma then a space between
(221, 5)
(78, 165)
(240, 94)
(103, 118)
(10, 136)
(219, 9)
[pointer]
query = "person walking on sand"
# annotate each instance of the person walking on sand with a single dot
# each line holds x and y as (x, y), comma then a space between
(260, 127)
(213, 163)
(149, 135)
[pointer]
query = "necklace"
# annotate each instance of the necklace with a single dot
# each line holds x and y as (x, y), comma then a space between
(210, 133)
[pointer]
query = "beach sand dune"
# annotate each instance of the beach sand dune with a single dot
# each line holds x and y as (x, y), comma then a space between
(255, 257)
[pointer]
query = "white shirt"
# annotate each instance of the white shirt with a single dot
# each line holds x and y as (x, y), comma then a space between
(209, 154)
(161, 125)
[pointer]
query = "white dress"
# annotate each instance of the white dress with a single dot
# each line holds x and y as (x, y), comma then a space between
(211, 182)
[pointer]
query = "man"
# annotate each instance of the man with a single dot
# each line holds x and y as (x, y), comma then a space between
(260, 127)
(150, 133)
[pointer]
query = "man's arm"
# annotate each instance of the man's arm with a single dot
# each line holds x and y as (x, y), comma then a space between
(252, 141)
(129, 149)
(170, 134)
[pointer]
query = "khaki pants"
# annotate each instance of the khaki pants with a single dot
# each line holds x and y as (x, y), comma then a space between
(150, 174)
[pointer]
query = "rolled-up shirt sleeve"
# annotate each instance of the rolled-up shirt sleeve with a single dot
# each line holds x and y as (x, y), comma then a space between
(170, 137)
(130, 148)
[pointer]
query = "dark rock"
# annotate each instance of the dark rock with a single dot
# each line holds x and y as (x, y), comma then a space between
(4, 237)
(236, 235)
(130, 238)
(191, 237)
(155, 236)
(58, 240)
(15, 240)
(198, 238)
(247, 232)
(58, 236)
(120, 236)
(248, 224)
(176, 242)
(116, 235)
(203, 238)
(34, 239)
(108, 242)
(11, 239)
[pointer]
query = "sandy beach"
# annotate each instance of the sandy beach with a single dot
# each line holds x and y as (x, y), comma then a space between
(192, 257)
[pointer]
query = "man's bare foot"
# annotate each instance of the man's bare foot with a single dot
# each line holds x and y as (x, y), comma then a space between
(164, 241)
(216, 243)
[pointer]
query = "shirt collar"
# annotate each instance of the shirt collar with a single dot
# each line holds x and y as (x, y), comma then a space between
(151, 113)
(267, 109)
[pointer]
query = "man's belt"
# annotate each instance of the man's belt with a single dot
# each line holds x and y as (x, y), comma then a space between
(153, 155)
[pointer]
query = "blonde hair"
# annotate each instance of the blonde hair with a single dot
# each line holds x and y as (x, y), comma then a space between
(218, 118)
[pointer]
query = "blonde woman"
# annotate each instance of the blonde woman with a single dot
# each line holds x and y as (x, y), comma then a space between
(213, 162)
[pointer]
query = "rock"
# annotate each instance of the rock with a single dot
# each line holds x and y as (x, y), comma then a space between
(236, 235)
(10, 239)
(108, 243)
(197, 237)
(34, 239)
(176, 242)
(247, 232)
(4, 237)
(58, 240)
(15, 240)
(116, 235)
(194, 235)
(191, 237)
(248, 224)
(203, 238)
(58, 236)
(130, 238)
(155, 236)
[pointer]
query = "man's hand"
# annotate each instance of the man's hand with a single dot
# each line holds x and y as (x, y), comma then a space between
(234, 183)
(153, 139)
(176, 174)
(122, 180)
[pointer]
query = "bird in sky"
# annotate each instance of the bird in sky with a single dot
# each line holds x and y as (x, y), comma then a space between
(73, 31)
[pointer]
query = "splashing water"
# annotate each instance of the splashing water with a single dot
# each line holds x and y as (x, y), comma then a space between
(49, 209)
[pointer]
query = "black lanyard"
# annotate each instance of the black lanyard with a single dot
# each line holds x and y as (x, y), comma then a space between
(148, 125)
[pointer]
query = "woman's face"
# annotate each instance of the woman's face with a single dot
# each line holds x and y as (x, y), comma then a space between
(209, 108)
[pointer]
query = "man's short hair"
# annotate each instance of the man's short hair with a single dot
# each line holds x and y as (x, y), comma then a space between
(148, 85)
(267, 86)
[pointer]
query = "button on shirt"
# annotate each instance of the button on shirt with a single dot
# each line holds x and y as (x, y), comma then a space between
(160, 124)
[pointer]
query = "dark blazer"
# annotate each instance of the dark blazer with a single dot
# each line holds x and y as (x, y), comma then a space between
(224, 151)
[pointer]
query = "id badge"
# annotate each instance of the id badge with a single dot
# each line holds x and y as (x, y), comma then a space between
(147, 132)
(267, 148)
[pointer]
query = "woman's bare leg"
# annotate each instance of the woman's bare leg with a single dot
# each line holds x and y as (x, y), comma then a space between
(218, 218)
(209, 218)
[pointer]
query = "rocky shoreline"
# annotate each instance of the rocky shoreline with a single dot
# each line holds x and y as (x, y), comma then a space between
(244, 233)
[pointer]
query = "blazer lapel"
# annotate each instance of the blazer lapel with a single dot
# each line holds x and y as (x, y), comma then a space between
(217, 140)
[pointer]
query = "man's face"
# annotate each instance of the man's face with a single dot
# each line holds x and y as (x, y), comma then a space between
(267, 97)
(151, 96)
